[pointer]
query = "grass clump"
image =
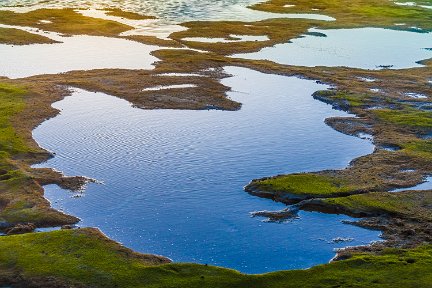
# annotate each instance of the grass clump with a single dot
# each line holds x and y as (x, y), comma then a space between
(85, 257)
(419, 148)
(342, 100)
(306, 184)
(14, 36)
(404, 204)
(11, 103)
(65, 21)
(407, 117)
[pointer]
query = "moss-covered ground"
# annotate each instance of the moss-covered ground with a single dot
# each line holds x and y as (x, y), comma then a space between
(85, 257)
(410, 204)
(20, 193)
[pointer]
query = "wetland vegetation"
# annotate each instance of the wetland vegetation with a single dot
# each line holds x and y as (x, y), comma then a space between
(379, 101)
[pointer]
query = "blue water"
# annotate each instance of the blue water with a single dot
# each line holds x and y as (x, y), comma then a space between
(173, 180)
(366, 48)
(426, 185)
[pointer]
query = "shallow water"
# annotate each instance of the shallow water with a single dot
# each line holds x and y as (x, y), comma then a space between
(173, 180)
(238, 38)
(75, 53)
(426, 185)
(367, 48)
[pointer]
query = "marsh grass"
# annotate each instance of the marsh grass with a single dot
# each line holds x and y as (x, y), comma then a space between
(86, 257)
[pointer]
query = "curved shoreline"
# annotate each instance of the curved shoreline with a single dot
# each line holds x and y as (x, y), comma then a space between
(389, 129)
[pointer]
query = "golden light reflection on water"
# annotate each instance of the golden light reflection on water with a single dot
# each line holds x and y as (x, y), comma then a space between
(172, 11)
(169, 9)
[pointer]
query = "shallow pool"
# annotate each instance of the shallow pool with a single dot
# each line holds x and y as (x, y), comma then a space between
(74, 53)
(366, 48)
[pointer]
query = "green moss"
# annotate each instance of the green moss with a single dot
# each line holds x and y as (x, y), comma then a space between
(306, 184)
(406, 204)
(20, 196)
(19, 37)
(342, 100)
(406, 117)
(418, 148)
(11, 103)
(83, 256)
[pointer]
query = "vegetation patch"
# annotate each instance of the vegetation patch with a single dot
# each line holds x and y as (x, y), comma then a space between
(20, 195)
(65, 21)
(11, 103)
(406, 117)
(359, 13)
(14, 36)
(419, 148)
(307, 185)
(86, 258)
(128, 15)
(402, 204)
(277, 31)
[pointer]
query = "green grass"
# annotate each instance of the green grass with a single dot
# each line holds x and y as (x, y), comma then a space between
(405, 204)
(406, 117)
(20, 195)
(419, 148)
(306, 184)
(11, 103)
(341, 99)
(83, 256)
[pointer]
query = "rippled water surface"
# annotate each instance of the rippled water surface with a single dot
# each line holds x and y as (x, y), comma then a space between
(172, 10)
(74, 53)
(367, 48)
(173, 180)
